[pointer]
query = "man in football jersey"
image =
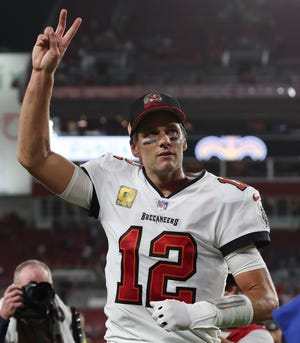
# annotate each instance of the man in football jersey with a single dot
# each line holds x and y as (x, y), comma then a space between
(172, 236)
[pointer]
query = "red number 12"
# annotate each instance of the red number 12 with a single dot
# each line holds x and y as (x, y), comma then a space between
(130, 292)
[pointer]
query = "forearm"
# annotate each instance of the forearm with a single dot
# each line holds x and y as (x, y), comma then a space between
(259, 288)
(224, 312)
(263, 305)
(253, 280)
(34, 120)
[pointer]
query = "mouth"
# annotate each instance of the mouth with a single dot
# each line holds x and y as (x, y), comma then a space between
(165, 154)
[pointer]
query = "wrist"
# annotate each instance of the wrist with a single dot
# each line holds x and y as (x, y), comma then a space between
(42, 73)
(231, 311)
(40, 82)
(202, 315)
(4, 318)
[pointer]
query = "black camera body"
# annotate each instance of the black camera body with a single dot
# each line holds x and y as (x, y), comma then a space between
(37, 298)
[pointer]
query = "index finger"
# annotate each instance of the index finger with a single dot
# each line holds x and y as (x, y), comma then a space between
(61, 27)
(62, 21)
(12, 287)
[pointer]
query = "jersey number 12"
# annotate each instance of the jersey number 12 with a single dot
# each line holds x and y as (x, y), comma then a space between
(129, 291)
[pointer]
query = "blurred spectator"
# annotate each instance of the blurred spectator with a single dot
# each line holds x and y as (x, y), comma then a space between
(30, 308)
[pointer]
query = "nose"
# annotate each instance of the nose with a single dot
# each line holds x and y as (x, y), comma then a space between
(164, 139)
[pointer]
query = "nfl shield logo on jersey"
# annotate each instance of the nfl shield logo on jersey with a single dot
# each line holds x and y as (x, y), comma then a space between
(162, 204)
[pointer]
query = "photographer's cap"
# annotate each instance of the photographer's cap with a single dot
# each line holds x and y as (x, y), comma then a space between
(152, 102)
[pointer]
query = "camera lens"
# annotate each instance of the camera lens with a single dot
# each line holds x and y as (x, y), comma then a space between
(42, 293)
(38, 296)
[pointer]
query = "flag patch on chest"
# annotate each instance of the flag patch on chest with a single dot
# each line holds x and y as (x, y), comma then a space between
(126, 196)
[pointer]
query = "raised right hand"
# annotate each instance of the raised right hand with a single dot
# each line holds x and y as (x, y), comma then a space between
(51, 45)
(12, 300)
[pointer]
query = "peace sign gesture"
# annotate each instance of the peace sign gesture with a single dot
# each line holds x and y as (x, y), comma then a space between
(51, 45)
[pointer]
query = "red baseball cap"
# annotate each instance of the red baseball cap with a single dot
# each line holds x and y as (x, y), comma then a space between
(152, 102)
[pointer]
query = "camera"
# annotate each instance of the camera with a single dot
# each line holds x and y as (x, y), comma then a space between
(37, 298)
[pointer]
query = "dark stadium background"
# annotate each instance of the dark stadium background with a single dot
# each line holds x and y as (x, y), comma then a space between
(21, 21)
(177, 47)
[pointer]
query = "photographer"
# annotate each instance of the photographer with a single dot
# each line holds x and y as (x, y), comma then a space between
(30, 311)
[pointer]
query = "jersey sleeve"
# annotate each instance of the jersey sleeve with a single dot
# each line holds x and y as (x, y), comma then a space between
(79, 190)
(243, 220)
(105, 172)
(96, 170)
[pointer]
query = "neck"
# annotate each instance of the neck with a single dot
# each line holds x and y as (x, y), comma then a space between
(168, 183)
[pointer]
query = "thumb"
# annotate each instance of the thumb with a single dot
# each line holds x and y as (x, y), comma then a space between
(152, 303)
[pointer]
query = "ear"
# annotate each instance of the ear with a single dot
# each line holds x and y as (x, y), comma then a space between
(184, 145)
(134, 149)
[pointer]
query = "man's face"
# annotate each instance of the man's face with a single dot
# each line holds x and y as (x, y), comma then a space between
(160, 143)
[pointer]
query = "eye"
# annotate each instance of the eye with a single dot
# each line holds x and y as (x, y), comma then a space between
(173, 133)
(151, 134)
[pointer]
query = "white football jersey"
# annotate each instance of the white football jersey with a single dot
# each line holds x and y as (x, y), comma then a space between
(167, 247)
